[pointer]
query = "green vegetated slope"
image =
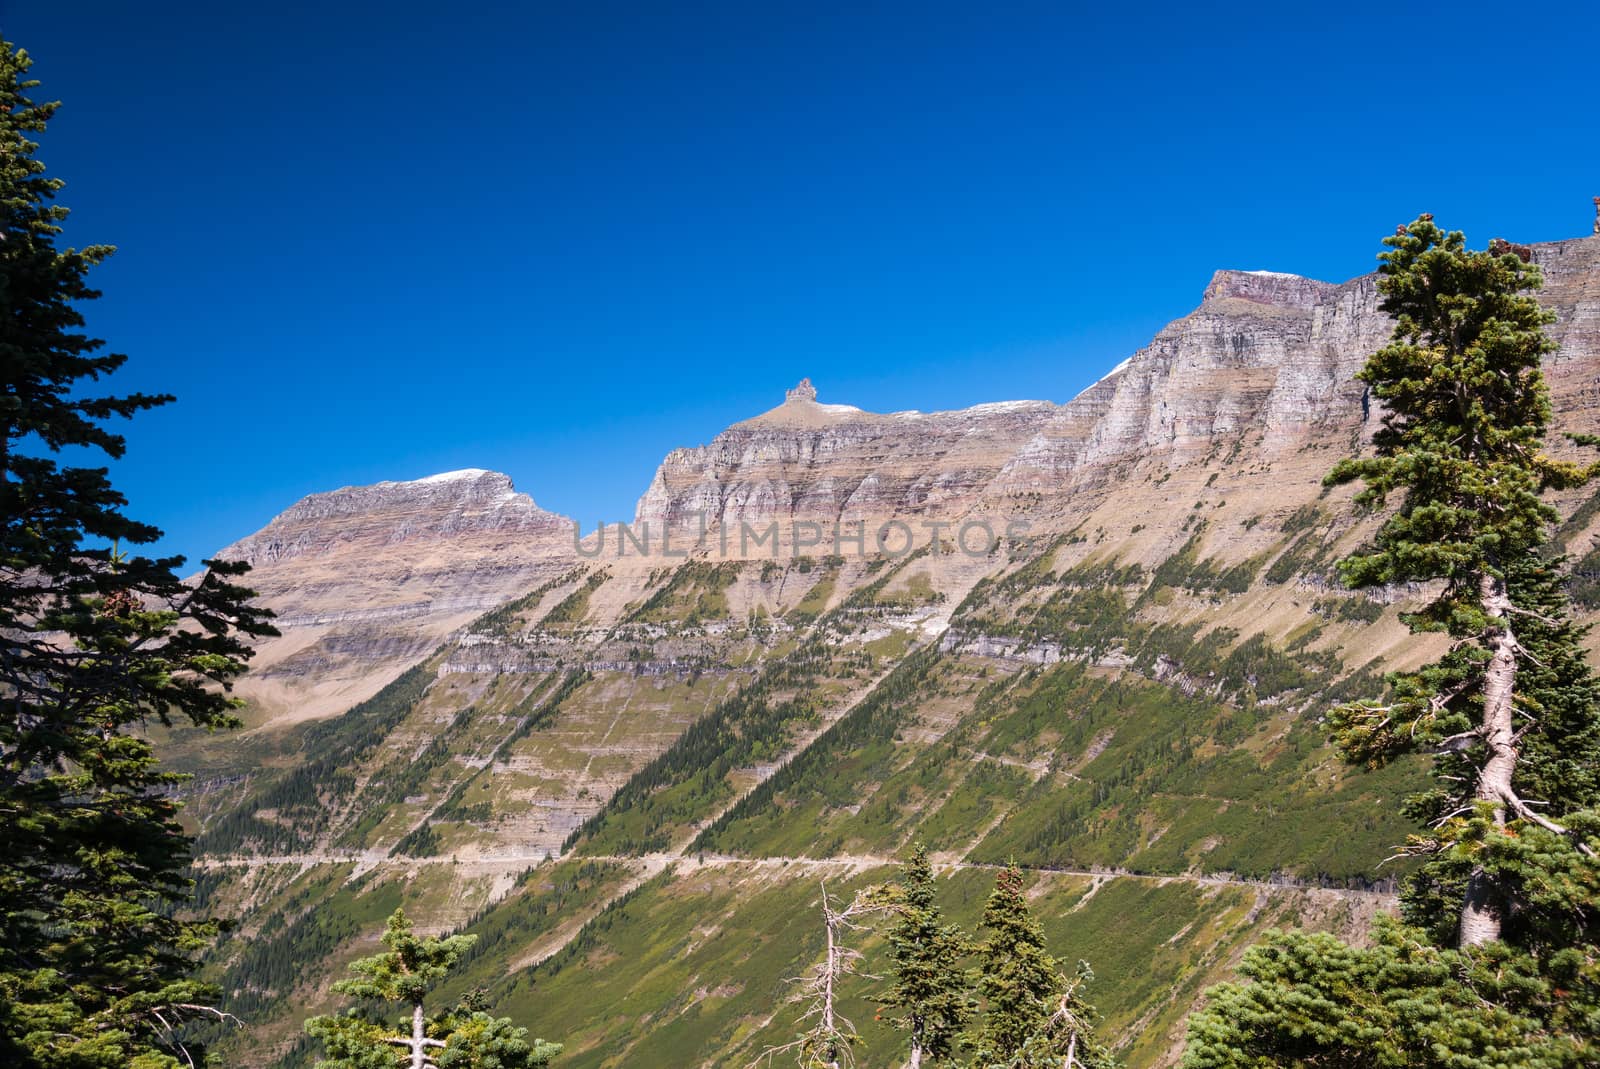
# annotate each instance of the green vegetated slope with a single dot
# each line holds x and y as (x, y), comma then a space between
(1149, 742)
(1146, 737)
(311, 922)
(465, 773)
(692, 967)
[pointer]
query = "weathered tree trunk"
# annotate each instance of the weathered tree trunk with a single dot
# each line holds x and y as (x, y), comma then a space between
(1481, 912)
(829, 976)
(419, 1056)
(916, 1054)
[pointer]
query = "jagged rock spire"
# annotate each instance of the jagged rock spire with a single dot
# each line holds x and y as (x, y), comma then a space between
(803, 392)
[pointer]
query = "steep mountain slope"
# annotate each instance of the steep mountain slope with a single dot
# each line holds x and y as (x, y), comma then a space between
(1122, 689)
(366, 580)
(826, 464)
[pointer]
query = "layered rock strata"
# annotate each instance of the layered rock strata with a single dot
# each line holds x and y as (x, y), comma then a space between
(366, 580)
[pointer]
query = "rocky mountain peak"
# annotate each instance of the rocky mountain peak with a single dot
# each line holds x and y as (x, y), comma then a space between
(442, 505)
(803, 392)
(1259, 377)
(802, 410)
(1274, 288)
(367, 579)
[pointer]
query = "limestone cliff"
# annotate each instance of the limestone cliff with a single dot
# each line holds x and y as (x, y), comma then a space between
(367, 579)
(1263, 369)
(805, 461)
(1255, 386)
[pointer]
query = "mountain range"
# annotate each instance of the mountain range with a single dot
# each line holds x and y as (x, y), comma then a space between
(1097, 638)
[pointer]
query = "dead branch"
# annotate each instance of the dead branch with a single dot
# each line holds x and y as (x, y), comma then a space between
(1525, 811)
(832, 1035)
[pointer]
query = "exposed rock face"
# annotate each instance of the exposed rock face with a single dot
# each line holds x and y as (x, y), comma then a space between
(809, 462)
(1259, 377)
(1264, 367)
(1275, 289)
(1572, 291)
(803, 392)
(367, 579)
(1266, 357)
(439, 507)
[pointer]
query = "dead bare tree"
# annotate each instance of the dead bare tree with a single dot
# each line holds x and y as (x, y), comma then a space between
(829, 1037)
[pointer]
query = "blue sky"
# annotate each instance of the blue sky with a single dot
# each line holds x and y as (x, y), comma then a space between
(370, 241)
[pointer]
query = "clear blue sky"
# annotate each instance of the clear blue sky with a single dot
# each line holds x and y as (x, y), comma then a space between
(370, 241)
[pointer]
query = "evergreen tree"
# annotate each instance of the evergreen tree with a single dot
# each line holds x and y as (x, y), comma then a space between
(94, 643)
(929, 990)
(1033, 1016)
(1403, 1003)
(1558, 764)
(1495, 960)
(1066, 1039)
(465, 1037)
(1462, 444)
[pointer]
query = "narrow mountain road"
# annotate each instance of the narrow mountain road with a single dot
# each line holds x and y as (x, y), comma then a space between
(648, 866)
(656, 863)
(367, 858)
(865, 862)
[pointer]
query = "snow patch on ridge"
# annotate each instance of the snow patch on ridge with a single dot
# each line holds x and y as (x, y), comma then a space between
(1119, 369)
(452, 476)
(1006, 406)
(506, 496)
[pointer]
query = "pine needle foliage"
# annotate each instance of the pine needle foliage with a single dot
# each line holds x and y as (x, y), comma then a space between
(1463, 445)
(1034, 1017)
(1494, 962)
(95, 642)
(411, 966)
(928, 996)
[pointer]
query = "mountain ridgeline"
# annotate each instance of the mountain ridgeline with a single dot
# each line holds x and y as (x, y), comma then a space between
(1095, 638)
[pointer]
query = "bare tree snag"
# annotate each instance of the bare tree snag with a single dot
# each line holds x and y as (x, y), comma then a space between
(828, 1042)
